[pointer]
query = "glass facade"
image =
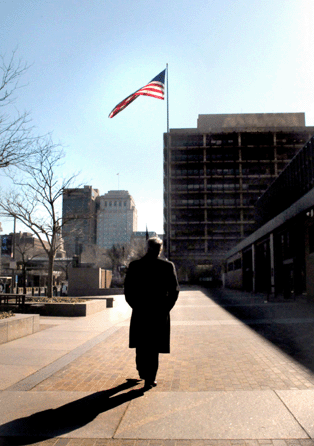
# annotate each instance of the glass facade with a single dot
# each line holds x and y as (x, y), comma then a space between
(292, 184)
(79, 219)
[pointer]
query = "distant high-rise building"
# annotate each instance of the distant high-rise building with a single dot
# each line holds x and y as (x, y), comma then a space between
(213, 176)
(24, 244)
(79, 219)
(116, 219)
(142, 235)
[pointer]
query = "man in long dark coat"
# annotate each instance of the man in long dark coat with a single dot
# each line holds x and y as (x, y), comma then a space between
(151, 289)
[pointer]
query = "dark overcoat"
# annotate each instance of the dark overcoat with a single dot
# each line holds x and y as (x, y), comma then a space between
(151, 289)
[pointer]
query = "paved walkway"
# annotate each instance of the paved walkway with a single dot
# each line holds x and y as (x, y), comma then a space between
(240, 372)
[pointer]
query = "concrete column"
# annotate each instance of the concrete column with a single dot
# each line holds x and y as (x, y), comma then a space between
(240, 186)
(272, 264)
(275, 154)
(253, 267)
(205, 193)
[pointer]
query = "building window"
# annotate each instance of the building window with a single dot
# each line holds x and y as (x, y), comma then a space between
(186, 140)
(237, 264)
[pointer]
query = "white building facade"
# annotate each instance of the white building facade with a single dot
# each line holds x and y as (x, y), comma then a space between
(116, 219)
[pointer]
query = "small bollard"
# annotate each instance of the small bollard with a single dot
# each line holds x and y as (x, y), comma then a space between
(109, 303)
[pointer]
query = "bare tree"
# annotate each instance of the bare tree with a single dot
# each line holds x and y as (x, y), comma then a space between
(35, 200)
(16, 139)
(117, 255)
(138, 249)
(26, 252)
(96, 256)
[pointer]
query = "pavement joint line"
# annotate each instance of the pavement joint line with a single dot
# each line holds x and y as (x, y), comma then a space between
(33, 380)
(259, 304)
(278, 321)
(292, 414)
(235, 321)
(121, 419)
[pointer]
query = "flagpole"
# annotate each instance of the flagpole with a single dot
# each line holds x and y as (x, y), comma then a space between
(167, 101)
(168, 170)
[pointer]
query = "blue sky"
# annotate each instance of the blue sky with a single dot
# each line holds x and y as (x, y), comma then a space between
(85, 56)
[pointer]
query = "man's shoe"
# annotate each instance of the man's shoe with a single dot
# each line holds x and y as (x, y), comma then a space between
(150, 384)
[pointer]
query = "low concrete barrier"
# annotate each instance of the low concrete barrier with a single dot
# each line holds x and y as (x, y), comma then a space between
(99, 292)
(69, 309)
(18, 326)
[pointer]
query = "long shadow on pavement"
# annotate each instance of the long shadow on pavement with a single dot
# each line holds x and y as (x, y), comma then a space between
(52, 423)
(287, 324)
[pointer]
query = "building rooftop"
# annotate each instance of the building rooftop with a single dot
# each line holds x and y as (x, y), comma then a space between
(247, 122)
(262, 120)
(117, 193)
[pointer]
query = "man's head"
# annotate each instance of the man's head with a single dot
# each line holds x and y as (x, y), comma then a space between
(154, 246)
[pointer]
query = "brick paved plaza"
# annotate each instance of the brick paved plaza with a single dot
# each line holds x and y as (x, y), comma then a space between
(240, 372)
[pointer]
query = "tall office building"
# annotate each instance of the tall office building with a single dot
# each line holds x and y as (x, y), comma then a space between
(213, 176)
(79, 219)
(116, 219)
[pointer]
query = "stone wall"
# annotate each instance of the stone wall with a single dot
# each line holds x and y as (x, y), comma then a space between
(88, 281)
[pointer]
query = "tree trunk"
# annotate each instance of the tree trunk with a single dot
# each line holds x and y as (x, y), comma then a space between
(24, 278)
(51, 259)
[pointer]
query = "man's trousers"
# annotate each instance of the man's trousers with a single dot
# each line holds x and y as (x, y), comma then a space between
(147, 361)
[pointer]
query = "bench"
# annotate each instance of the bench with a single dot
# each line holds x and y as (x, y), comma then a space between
(6, 298)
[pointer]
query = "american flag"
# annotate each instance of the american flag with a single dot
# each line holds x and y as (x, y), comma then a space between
(155, 88)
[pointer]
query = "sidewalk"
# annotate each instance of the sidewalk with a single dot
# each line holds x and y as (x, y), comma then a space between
(240, 372)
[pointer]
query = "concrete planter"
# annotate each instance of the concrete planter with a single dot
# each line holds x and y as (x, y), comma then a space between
(70, 309)
(18, 326)
(98, 292)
